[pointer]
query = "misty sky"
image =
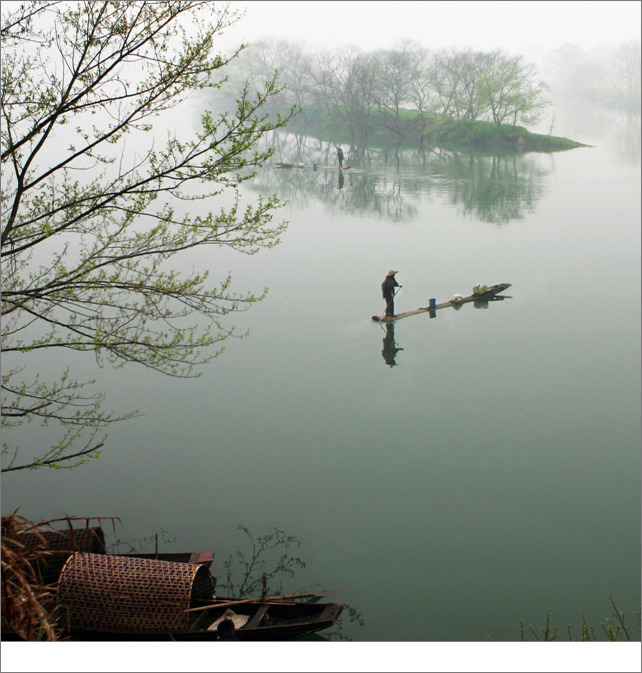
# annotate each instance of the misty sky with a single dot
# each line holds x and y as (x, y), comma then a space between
(520, 27)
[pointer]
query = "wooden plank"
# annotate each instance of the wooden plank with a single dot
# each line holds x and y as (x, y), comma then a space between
(226, 603)
(256, 618)
(489, 295)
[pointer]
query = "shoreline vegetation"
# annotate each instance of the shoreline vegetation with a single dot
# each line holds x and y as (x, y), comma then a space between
(31, 612)
(413, 130)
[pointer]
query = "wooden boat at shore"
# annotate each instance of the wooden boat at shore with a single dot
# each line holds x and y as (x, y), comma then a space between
(140, 596)
(54, 547)
(111, 597)
(58, 545)
(255, 620)
(487, 294)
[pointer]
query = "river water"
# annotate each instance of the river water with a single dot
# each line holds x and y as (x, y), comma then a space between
(446, 477)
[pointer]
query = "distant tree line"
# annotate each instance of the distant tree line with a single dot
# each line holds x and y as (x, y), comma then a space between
(401, 93)
(410, 93)
(606, 79)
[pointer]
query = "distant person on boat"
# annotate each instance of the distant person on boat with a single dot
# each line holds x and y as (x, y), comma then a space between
(388, 290)
(340, 158)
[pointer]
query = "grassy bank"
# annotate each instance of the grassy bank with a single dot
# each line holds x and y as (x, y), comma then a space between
(410, 129)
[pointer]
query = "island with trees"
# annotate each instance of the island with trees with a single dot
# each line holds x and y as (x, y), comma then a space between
(408, 96)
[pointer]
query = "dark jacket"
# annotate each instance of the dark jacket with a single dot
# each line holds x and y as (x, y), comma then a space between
(388, 287)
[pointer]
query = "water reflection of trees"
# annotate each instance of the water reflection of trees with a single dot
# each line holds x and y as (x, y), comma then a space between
(267, 558)
(627, 139)
(496, 188)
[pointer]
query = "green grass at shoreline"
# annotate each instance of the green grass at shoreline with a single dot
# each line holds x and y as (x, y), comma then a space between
(410, 130)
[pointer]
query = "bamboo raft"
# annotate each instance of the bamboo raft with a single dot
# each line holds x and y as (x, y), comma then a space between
(490, 294)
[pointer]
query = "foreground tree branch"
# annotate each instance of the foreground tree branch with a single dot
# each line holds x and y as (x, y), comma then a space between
(94, 199)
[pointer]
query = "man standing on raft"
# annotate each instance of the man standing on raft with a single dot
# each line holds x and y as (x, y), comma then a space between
(388, 290)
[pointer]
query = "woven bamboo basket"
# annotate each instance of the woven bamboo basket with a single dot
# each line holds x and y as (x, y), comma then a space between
(57, 545)
(79, 539)
(120, 594)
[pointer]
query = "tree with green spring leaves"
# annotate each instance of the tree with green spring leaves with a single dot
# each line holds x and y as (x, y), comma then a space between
(96, 200)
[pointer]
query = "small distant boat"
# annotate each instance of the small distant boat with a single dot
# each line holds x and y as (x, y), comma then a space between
(109, 597)
(287, 164)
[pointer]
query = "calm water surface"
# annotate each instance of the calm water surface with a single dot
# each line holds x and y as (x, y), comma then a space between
(491, 474)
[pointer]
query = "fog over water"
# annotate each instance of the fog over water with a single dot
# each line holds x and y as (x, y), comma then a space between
(531, 28)
(310, 424)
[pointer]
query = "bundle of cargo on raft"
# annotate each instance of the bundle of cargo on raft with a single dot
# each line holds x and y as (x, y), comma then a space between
(481, 293)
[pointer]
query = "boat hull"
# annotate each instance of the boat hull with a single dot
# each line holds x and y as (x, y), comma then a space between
(271, 621)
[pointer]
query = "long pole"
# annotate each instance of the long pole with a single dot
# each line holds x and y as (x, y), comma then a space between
(228, 603)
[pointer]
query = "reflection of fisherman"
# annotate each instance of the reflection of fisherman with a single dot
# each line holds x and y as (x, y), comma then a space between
(388, 290)
(390, 348)
(340, 158)
(340, 180)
